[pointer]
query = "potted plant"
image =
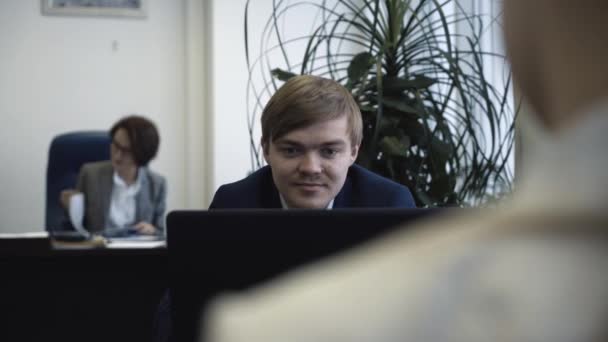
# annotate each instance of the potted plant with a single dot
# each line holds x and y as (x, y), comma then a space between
(432, 120)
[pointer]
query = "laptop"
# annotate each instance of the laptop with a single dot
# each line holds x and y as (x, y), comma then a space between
(229, 250)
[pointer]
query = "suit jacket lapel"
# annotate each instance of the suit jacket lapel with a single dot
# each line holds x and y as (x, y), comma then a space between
(269, 196)
(344, 197)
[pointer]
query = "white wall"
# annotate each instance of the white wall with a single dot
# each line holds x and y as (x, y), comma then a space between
(229, 75)
(183, 66)
(228, 86)
(59, 74)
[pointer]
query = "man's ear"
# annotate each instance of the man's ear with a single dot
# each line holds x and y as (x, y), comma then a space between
(354, 154)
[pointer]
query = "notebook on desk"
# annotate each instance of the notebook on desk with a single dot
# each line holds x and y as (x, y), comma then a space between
(215, 251)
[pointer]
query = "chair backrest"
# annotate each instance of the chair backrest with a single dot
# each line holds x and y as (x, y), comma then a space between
(66, 155)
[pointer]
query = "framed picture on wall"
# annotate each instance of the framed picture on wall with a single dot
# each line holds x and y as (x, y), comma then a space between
(110, 8)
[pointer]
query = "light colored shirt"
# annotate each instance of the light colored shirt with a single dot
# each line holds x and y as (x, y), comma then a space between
(123, 204)
(285, 206)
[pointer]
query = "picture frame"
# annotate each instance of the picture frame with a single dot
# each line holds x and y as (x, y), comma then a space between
(104, 8)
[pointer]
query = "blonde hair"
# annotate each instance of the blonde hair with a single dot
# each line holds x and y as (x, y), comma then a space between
(305, 100)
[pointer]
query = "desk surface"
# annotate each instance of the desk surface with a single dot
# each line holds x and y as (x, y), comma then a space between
(79, 295)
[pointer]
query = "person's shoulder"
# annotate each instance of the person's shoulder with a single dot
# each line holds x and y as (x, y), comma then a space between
(366, 177)
(252, 180)
(97, 167)
(243, 193)
(155, 177)
(377, 188)
(248, 184)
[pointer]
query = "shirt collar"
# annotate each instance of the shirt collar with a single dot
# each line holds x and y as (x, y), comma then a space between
(131, 189)
(285, 206)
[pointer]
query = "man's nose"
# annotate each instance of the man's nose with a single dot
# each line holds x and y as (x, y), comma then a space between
(310, 164)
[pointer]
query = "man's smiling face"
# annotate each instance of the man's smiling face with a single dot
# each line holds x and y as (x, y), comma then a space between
(309, 165)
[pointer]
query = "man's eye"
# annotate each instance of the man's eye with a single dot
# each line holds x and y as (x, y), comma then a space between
(329, 152)
(289, 151)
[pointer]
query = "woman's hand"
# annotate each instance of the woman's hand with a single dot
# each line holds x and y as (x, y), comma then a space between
(145, 228)
(65, 195)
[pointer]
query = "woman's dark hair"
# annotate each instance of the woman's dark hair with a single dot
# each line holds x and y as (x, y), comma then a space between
(143, 137)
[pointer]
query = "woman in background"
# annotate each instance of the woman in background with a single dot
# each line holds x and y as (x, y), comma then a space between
(123, 193)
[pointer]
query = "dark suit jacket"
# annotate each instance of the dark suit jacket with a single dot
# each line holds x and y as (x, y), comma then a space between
(362, 189)
(95, 181)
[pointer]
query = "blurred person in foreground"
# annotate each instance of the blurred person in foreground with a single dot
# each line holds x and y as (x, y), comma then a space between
(123, 194)
(533, 271)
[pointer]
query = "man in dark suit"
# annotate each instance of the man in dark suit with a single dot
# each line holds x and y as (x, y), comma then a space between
(311, 133)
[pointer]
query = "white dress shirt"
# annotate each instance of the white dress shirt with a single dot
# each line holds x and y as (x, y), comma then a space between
(123, 204)
(285, 206)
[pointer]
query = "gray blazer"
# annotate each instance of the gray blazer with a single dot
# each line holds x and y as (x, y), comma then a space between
(95, 182)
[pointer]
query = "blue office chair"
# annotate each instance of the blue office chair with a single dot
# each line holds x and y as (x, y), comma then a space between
(66, 155)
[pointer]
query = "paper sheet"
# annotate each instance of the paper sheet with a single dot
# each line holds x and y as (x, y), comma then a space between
(76, 212)
(132, 244)
(27, 235)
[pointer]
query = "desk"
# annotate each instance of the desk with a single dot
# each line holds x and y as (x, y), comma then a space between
(79, 295)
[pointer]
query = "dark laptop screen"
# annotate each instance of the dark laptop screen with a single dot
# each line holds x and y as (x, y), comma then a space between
(218, 250)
